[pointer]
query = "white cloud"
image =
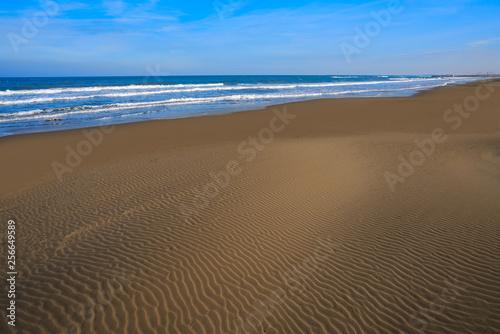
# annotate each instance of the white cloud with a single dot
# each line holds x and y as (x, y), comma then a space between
(485, 42)
(114, 8)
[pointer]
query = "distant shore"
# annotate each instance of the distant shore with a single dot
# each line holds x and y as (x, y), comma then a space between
(468, 75)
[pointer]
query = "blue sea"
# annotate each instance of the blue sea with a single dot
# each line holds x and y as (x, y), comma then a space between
(48, 104)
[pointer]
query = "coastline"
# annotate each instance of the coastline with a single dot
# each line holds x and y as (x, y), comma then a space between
(30, 155)
(128, 100)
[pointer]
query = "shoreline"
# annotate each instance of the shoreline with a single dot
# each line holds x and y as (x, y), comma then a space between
(225, 111)
(50, 146)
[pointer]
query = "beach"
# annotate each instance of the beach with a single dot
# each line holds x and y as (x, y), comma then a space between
(348, 215)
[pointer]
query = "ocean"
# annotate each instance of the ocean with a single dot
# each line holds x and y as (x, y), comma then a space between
(48, 104)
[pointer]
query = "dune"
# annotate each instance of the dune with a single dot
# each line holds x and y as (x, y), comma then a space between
(366, 215)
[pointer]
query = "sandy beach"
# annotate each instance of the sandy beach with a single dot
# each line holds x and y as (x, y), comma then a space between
(352, 215)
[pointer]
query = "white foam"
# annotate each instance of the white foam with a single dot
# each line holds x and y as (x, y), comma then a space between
(41, 114)
(62, 112)
(44, 114)
(209, 87)
(99, 88)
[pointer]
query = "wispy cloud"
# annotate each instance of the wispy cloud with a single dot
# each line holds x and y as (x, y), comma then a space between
(72, 6)
(114, 8)
(124, 36)
(484, 42)
(127, 13)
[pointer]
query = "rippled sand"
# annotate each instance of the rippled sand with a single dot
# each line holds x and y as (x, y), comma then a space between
(305, 236)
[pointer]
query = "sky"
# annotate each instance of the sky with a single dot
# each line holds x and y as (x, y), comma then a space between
(234, 37)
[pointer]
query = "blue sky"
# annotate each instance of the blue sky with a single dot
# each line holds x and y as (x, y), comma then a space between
(189, 37)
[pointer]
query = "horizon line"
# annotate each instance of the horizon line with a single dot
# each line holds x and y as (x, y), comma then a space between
(247, 75)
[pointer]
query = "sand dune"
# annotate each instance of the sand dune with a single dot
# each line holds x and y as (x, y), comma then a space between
(306, 237)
